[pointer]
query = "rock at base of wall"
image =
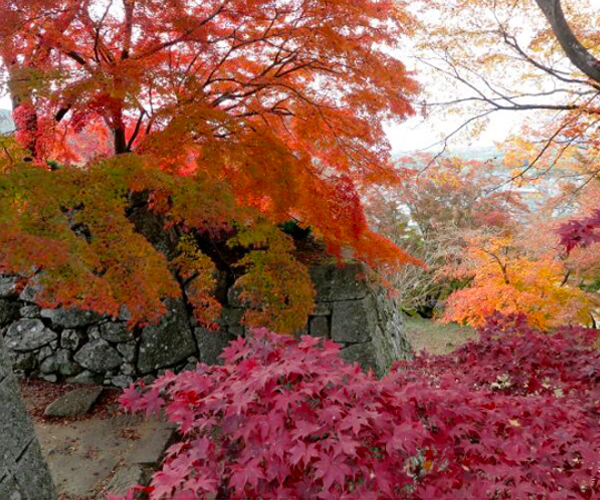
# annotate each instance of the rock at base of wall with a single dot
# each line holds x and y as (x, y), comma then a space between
(74, 403)
(86, 377)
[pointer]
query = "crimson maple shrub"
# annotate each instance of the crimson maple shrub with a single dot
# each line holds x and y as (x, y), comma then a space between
(512, 415)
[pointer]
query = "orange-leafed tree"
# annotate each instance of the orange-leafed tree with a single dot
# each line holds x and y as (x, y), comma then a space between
(507, 276)
(225, 117)
(440, 200)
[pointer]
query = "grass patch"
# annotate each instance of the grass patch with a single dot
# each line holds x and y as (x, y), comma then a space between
(436, 338)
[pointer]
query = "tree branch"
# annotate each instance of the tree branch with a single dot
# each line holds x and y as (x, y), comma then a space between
(572, 47)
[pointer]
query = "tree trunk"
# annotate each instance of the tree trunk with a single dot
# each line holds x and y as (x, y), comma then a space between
(571, 46)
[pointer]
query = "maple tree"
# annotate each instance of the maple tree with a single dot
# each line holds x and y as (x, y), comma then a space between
(227, 117)
(507, 277)
(511, 415)
(538, 58)
(534, 58)
(440, 201)
(488, 247)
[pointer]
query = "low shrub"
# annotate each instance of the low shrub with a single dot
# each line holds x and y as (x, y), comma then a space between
(511, 416)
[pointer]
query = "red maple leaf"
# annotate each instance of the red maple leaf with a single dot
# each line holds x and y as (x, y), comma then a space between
(332, 469)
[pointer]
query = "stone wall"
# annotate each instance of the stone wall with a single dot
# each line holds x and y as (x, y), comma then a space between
(83, 347)
(24, 474)
(359, 315)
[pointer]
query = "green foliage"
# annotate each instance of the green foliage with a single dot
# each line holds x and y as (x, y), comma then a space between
(275, 286)
(70, 227)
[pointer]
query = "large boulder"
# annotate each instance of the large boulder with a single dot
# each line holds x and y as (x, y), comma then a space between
(23, 473)
(98, 356)
(28, 335)
(168, 343)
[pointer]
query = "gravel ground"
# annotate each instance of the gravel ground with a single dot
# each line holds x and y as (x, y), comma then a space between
(437, 338)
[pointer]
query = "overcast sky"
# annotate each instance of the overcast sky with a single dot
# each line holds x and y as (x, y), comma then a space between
(417, 134)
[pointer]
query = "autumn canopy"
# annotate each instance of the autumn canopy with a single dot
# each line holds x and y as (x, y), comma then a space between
(227, 118)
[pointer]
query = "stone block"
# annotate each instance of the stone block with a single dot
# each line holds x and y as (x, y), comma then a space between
(65, 364)
(45, 352)
(98, 356)
(93, 332)
(353, 320)
(85, 377)
(121, 381)
(115, 332)
(333, 283)
(28, 335)
(127, 350)
(70, 318)
(319, 327)
(211, 345)
(74, 403)
(70, 339)
(48, 365)
(169, 342)
(127, 369)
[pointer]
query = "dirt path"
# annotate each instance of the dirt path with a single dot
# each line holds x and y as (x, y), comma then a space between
(103, 450)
